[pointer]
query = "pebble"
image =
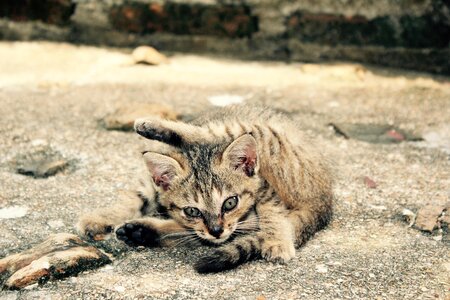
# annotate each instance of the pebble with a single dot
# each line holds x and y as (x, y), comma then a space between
(40, 162)
(13, 212)
(148, 55)
(321, 269)
(427, 217)
(124, 116)
(373, 133)
(59, 256)
(56, 224)
(370, 183)
(224, 100)
(119, 288)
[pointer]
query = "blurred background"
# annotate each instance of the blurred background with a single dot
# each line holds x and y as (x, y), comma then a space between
(413, 34)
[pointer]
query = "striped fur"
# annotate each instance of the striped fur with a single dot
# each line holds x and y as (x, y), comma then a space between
(256, 154)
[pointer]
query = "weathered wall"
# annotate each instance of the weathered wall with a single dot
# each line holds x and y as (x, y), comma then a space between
(401, 33)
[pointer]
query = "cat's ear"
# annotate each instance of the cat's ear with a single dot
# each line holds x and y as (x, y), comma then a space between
(163, 169)
(242, 155)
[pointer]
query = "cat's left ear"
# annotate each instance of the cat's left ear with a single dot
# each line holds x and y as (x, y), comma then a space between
(242, 155)
(164, 169)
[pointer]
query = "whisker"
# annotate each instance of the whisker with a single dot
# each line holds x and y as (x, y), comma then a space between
(186, 240)
(175, 234)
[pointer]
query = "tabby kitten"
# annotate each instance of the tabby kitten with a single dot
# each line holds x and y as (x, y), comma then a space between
(242, 178)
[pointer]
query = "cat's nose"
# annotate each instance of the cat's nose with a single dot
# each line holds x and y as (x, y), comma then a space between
(216, 230)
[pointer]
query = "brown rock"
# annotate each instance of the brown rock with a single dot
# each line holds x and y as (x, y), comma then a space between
(123, 118)
(148, 55)
(40, 162)
(427, 217)
(61, 255)
(369, 182)
(43, 169)
(373, 133)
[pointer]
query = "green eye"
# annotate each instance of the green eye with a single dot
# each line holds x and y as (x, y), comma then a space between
(192, 212)
(230, 203)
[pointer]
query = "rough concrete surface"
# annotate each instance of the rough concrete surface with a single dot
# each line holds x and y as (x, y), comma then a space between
(56, 94)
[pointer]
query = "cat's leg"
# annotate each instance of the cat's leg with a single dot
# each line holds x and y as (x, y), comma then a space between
(277, 232)
(152, 232)
(308, 219)
(174, 133)
(231, 255)
(101, 222)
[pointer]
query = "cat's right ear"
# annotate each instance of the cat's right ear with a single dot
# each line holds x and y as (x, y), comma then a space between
(164, 169)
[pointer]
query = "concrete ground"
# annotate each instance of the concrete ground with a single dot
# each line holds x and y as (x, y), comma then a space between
(56, 93)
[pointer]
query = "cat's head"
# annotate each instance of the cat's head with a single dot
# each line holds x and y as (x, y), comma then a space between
(209, 188)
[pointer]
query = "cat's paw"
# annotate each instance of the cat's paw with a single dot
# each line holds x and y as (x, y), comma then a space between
(135, 234)
(216, 262)
(278, 252)
(94, 227)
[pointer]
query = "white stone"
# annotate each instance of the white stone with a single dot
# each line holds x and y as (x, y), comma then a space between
(226, 99)
(321, 269)
(55, 223)
(13, 212)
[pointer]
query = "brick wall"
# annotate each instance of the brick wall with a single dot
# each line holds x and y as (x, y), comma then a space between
(400, 33)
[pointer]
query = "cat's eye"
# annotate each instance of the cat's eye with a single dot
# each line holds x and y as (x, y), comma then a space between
(230, 203)
(192, 212)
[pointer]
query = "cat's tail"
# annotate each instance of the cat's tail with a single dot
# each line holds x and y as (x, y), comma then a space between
(230, 256)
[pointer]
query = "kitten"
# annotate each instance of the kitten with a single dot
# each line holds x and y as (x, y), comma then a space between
(242, 178)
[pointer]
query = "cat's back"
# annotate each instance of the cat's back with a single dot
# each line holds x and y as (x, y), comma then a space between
(234, 120)
(244, 113)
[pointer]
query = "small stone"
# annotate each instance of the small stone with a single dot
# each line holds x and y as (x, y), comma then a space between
(40, 162)
(119, 288)
(437, 238)
(378, 207)
(42, 169)
(224, 100)
(13, 212)
(148, 55)
(369, 182)
(409, 216)
(373, 133)
(59, 256)
(321, 269)
(32, 286)
(55, 224)
(124, 116)
(427, 217)
(438, 138)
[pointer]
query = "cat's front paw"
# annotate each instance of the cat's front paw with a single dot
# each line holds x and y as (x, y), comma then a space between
(135, 234)
(278, 252)
(94, 227)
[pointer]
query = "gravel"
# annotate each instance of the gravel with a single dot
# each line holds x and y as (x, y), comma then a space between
(57, 93)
